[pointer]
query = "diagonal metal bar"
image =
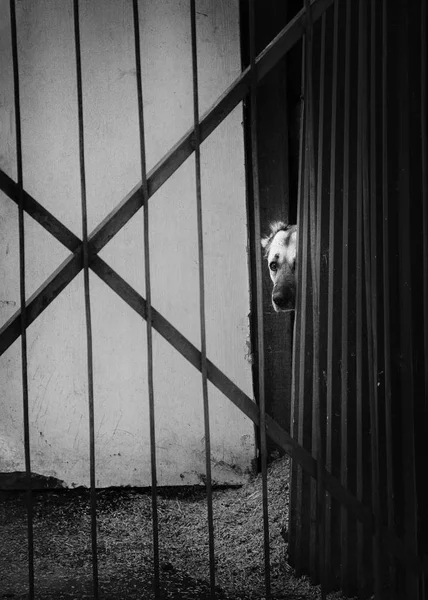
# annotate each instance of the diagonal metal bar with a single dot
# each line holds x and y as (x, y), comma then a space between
(59, 279)
(40, 214)
(41, 299)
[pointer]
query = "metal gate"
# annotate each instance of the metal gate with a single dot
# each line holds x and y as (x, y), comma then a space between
(336, 481)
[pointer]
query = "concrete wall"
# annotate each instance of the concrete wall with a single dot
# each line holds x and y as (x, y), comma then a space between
(58, 392)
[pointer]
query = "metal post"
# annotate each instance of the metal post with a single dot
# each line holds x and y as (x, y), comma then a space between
(90, 369)
(259, 296)
(197, 143)
(22, 295)
(149, 317)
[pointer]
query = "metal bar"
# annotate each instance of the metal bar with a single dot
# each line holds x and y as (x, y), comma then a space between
(315, 557)
(302, 309)
(85, 253)
(331, 274)
(424, 175)
(405, 301)
(259, 295)
(39, 213)
(359, 307)
(370, 243)
(294, 512)
(202, 320)
(41, 299)
(386, 288)
(345, 283)
(149, 317)
(317, 449)
(22, 297)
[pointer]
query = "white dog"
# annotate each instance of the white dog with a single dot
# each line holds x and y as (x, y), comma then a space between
(280, 250)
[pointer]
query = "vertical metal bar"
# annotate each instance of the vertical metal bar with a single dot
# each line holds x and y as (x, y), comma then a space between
(359, 308)
(405, 300)
(314, 247)
(22, 297)
(149, 318)
(259, 296)
(386, 287)
(331, 273)
(197, 145)
(345, 283)
(369, 218)
(424, 175)
(303, 272)
(90, 370)
(296, 470)
(320, 165)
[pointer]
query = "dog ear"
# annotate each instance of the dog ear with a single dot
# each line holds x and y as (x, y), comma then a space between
(276, 226)
(265, 241)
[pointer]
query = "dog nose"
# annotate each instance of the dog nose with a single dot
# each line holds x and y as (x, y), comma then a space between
(280, 299)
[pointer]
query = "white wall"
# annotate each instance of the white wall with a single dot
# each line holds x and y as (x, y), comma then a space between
(58, 392)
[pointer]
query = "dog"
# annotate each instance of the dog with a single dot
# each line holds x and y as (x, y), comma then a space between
(280, 249)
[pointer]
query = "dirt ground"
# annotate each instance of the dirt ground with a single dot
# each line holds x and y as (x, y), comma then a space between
(63, 555)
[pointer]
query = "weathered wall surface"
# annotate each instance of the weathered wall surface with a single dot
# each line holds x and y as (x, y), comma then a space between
(58, 392)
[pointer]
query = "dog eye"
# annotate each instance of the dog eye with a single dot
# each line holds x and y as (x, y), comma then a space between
(273, 266)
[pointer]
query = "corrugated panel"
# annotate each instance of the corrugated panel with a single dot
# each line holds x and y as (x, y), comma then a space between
(368, 83)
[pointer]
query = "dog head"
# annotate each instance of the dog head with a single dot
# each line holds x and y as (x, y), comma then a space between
(280, 248)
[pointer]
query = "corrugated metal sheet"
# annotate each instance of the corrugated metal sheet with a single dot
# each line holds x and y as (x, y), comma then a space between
(360, 347)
